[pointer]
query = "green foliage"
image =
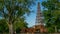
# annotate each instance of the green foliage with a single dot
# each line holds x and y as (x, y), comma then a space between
(14, 9)
(51, 29)
(52, 13)
(20, 24)
(3, 26)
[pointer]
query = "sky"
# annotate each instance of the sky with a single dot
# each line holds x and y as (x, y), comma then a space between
(31, 19)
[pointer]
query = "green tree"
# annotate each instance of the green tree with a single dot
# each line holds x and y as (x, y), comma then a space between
(52, 13)
(11, 10)
(19, 25)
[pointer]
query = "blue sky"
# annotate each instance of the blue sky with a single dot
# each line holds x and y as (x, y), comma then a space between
(31, 19)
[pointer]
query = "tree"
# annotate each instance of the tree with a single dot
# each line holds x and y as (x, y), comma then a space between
(11, 10)
(19, 25)
(52, 13)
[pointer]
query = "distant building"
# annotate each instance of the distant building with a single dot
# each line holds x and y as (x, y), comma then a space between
(39, 26)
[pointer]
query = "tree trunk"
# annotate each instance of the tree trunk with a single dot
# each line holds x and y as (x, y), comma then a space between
(55, 28)
(10, 28)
